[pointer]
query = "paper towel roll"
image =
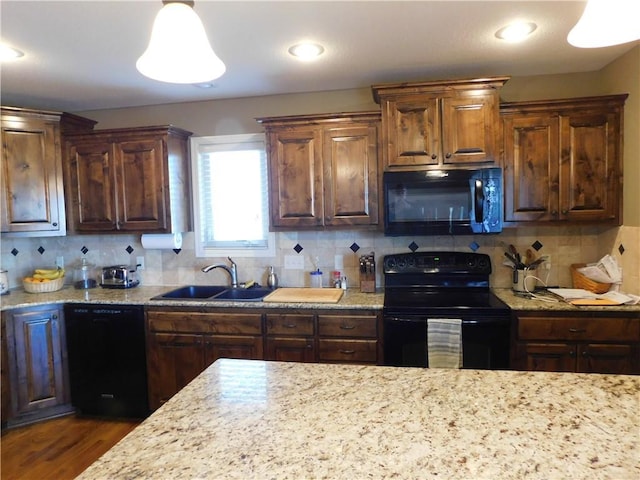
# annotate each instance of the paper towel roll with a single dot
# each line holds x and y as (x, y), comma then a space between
(171, 241)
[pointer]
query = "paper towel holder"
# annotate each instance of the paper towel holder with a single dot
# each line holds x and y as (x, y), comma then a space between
(171, 241)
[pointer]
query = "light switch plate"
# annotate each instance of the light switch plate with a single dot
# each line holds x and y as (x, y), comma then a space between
(294, 262)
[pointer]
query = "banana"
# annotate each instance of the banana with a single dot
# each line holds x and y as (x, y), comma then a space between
(46, 271)
(48, 274)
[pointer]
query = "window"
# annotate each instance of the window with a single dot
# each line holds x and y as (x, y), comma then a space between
(230, 196)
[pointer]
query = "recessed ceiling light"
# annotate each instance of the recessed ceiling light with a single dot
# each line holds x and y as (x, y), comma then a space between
(516, 32)
(9, 53)
(306, 51)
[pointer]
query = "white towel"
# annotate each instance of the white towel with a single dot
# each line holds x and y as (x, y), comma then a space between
(444, 342)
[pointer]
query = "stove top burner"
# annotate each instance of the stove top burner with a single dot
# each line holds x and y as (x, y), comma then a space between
(446, 283)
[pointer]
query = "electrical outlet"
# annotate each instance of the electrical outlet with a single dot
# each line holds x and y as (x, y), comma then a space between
(140, 263)
(294, 262)
(547, 263)
(60, 261)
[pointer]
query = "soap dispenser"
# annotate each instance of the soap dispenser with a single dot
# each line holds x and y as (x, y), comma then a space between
(272, 279)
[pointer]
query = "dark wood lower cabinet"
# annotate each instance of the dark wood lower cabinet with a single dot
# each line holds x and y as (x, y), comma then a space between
(290, 349)
(36, 365)
(182, 343)
(584, 343)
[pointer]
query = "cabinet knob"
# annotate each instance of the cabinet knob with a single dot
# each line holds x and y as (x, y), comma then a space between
(54, 316)
(585, 354)
(572, 353)
(578, 330)
(290, 325)
(448, 155)
(347, 327)
(565, 211)
(554, 213)
(433, 156)
(55, 224)
(347, 352)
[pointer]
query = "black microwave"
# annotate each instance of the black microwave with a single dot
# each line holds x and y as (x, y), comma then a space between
(443, 202)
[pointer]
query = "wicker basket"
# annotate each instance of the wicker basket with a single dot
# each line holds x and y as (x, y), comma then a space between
(580, 281)
(43, 287)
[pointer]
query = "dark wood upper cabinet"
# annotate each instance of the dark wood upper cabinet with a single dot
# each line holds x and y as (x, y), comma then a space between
(128, 180)
(323, 170)
(431, 125)
(563, 160)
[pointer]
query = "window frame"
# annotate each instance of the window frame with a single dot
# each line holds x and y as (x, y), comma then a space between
(246, 250)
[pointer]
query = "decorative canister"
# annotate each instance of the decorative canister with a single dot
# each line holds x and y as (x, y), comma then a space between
(4, 282)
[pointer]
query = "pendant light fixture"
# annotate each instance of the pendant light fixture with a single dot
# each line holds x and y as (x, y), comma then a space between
(605, 23)
(179, 50)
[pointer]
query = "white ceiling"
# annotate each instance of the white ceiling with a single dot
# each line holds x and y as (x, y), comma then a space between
(81, 55)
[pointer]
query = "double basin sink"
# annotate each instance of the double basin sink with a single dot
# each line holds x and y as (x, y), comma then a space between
(215, 293)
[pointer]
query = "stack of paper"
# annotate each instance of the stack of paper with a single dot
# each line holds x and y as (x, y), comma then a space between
(579, 296)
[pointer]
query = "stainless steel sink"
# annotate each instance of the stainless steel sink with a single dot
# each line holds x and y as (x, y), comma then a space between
(215, 293)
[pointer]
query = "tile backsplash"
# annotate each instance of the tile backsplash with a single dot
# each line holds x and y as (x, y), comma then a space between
(563, 245)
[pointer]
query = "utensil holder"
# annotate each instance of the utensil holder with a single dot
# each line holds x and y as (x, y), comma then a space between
(524, 280)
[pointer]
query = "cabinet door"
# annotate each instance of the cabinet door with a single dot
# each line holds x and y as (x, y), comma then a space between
(350, 156)
(91, 184)
(173, 360)
(531, 172)
(550, 357)
(290, 349)
(295, 167)
(233, 346)
(139, 180)
(411, 131)
(5, 390)
(38, 377)
(590, 167)
(605, 358)
(31, 177)
(470, 125)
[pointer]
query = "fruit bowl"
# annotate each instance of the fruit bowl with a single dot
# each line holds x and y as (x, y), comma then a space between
(44, 280)
(43, 286)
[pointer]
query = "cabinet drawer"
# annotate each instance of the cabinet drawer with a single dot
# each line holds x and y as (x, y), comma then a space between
(289, 324)
(198, 322)
(348, 350)
(592, 329)
(347, 326)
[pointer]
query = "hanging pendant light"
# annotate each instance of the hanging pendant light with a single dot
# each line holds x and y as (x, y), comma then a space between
(179, 50)
(605, 23)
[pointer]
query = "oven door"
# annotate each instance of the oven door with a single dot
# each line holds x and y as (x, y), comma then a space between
(485, 341)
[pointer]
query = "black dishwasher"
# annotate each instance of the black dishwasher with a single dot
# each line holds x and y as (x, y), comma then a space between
(107, 360)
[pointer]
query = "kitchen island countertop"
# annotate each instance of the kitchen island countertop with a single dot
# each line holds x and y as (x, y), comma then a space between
(250, 419)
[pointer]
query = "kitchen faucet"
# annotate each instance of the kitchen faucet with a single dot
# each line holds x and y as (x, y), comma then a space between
(232, 271)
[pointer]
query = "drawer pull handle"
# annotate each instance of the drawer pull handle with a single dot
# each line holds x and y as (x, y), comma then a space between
(578, 330)
(290, 325)
(347, 352)
(347, 327)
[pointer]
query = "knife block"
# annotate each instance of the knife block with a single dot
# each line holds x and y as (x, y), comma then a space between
(368, 282)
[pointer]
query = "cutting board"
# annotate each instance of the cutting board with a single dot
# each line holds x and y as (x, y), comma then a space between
(305, 295)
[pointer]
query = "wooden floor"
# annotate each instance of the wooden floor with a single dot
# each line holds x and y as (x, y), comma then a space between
(58, 449)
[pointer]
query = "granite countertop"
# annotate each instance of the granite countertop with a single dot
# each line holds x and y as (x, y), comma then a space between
(141, 295)
(352, 299)
(250, 419)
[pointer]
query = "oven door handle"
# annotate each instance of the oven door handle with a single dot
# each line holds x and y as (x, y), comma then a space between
(401, 319)
(478, 201)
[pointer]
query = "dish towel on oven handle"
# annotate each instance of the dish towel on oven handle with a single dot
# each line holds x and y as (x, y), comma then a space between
(444, 342)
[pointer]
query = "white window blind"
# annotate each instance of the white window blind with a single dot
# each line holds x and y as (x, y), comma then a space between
(230, 196)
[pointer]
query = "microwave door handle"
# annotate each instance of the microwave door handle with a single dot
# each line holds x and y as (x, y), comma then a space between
(478, 201)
